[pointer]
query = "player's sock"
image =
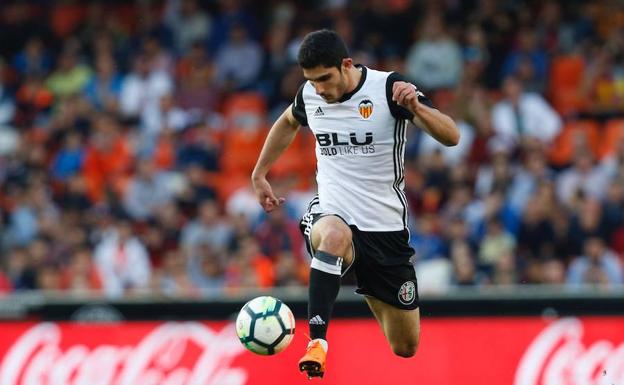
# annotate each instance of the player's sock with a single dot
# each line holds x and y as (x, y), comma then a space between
(320, 341)
(324, 286)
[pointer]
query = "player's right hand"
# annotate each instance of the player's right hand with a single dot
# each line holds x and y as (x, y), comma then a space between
(264, 193)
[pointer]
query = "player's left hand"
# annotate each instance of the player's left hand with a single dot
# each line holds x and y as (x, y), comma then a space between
(406, 95)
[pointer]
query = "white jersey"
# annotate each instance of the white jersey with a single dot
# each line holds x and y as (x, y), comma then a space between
(360, 146)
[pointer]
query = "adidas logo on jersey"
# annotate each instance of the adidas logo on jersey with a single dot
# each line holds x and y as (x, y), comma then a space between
(317, 320)
(319, 112)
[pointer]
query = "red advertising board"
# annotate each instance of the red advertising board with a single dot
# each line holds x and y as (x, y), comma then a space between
(453, 351)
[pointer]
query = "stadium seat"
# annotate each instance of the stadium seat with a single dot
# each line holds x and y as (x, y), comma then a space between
(566, 74)
(613, 132)
(245, 103)
(574, 135)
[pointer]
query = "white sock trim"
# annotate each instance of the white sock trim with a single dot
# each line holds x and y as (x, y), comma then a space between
(322, 342)
(326, 267)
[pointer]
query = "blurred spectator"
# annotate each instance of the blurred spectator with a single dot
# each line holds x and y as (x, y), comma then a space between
(280, 234)
(238, 49)
(527, 179)
(20, 270)
(584, 177)
(7, 104)
(495, 176)
(68, 160)
(81, 275)
(107, 158)
(425, 240)
(48, 277)
(34, 100)
(122, 260)
(536, 234)
(504, 271)
(553, 272)
(209, 227)
(33, 59)
(196, 76)
(435, 60)
(160, 60)
(496, 244)
(598, 265)
(523, 116)
(174, 280)
(527, 61)
(206, 269)
(587, 222)
(250, 268)
(143, 88)
(465, 271)
(147, 190)
(601, 84)
(289, 270)
(70, 77)
(34, 212)
(164, 116)
(232, 13)
(188, 22)
(104, 86)
(8, 136)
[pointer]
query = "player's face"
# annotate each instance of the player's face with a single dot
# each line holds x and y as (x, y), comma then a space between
(329, 82)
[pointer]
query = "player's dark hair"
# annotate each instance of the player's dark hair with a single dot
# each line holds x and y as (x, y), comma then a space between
(324, 48)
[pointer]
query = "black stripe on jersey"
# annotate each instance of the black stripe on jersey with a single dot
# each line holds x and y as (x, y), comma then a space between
(313, 202)
(298, 107)
(397, 151)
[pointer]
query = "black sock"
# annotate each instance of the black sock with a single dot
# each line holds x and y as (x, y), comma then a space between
(323, 291)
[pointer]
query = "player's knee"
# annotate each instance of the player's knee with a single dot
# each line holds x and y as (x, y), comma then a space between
(405, 349)
(335, 240)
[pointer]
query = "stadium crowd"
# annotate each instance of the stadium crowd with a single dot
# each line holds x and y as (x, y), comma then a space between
(128, 131)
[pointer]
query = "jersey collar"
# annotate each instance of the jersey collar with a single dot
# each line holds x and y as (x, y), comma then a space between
(348, 95)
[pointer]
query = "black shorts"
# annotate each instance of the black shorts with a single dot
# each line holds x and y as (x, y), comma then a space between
(381, 263)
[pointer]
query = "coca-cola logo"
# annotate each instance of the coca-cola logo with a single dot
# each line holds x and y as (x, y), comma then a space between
(187, 353)
(558, 356)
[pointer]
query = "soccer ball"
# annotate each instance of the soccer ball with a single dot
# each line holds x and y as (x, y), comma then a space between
(265, 325)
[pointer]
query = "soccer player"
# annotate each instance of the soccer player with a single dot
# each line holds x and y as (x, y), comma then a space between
(358, 220)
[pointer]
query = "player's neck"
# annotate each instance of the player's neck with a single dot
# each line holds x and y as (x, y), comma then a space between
(353, 78)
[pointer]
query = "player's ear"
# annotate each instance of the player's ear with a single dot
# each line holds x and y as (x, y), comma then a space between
(347, 63)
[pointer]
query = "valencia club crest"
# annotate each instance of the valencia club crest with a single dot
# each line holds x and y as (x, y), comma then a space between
(366, 108)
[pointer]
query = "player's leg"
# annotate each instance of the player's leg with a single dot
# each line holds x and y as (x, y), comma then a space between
(330, 239)
(386, 276)
(401, 327)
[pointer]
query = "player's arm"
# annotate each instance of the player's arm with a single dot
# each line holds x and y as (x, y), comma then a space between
(279, 138)
(406, 102)
(440, 126)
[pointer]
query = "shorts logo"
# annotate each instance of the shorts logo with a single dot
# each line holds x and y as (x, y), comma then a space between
(407, 293)
(366, 108)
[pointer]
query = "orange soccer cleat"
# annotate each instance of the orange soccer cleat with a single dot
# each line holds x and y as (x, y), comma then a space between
(313, 362)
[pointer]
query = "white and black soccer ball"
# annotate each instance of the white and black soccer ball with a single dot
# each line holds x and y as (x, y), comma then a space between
(265, 325)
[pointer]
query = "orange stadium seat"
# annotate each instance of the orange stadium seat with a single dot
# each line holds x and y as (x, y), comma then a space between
(245, 103)
(574, 135)
(612, 134)
(566, 74)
